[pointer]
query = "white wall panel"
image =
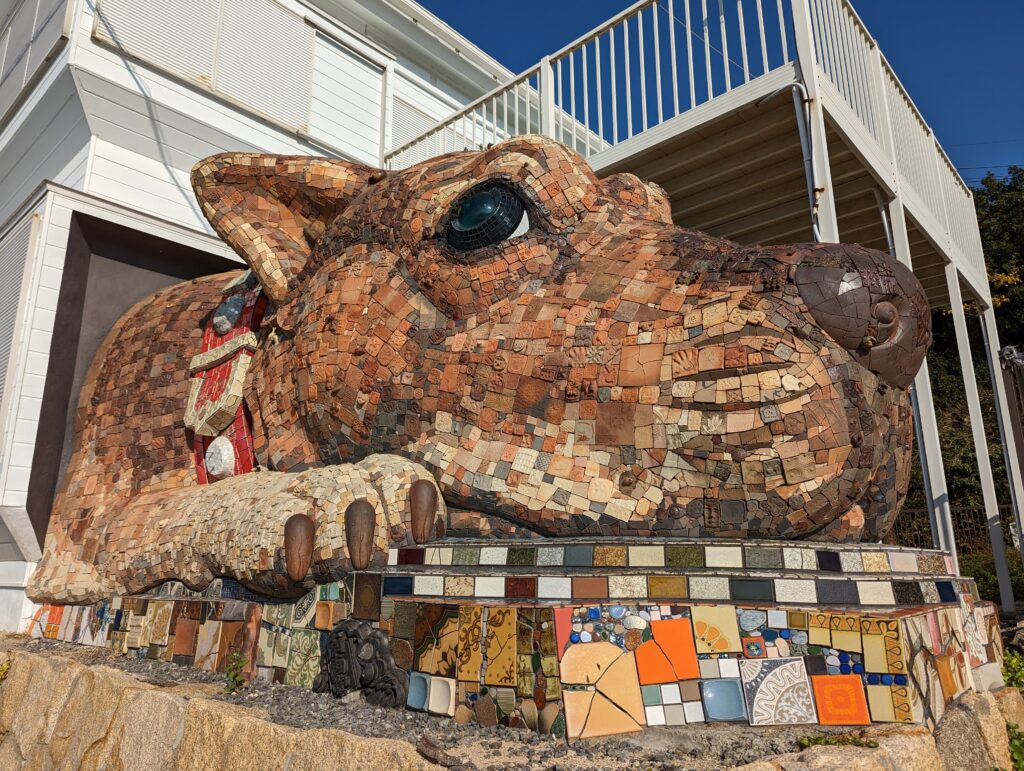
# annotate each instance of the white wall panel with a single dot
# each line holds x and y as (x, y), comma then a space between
(265, 60)
(181, 37)
(415, 109)
(14, 247)
(145, 184)
(50, 143)
(345, 108)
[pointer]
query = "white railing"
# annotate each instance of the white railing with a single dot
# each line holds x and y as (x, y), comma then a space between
(511, 109)
(849, 58)
(647, 65)
(660, 58)
(844, 49)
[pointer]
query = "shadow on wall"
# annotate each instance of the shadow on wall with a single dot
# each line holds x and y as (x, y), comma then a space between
(107, 269)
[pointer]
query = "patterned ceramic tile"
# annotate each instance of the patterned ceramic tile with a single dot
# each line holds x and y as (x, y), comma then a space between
(777, 691)
(840, 700)
(715, 629)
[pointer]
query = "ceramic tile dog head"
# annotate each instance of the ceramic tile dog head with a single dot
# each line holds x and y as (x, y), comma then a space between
(569, 359)
(548, 346)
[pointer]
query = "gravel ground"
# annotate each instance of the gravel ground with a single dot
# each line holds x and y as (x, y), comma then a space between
(697, 747)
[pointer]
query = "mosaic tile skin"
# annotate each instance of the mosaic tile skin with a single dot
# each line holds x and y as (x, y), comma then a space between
(604, 372)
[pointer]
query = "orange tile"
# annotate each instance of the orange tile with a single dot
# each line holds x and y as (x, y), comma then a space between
(675, 636)
(577, 709)
(606, 719)
(584, 663)
(840, 700)
(563, 628)
(619, 683)
(652, 664)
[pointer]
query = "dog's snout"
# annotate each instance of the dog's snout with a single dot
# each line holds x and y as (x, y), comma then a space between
(872, 305)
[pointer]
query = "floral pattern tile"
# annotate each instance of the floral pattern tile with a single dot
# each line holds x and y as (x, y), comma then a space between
(777, 691)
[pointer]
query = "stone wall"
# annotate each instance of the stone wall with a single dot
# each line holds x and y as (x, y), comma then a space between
(57, 713)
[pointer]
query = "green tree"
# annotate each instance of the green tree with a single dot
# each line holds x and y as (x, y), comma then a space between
(999, 202)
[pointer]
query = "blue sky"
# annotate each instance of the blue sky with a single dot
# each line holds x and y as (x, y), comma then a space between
(962, 62)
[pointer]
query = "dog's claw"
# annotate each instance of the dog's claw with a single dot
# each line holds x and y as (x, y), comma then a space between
(422, 509)
(299, 536)
(360, 524)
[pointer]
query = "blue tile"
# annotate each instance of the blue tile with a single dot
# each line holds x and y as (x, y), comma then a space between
(723, 699)
(946, 591)
(397, 585)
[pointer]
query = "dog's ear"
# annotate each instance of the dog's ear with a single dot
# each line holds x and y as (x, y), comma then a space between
(272, 209)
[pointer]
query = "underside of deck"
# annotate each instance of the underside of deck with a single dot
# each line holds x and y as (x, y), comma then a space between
(741, 175)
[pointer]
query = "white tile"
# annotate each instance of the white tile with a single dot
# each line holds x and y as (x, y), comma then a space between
(550, 555)
(624, 586)
(554, 587)
(792, 559)
(729, 667)
(851, 561)
(392, 556)
(437, 555)
(428, 585)
(694, 712)
(795, 590)
(902, 562)
(493, 555)
(655, 715)
(647, 556)
(723, 556)
(875, 593)
(778, 619)
(489, 586)
(708, 588)
(670, 694)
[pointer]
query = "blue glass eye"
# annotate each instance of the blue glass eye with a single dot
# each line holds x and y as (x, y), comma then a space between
(486, 215)
(475, 211)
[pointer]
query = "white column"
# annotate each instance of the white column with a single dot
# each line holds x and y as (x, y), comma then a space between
(988, 488)
(929, 446)
(828, 227)
(1011, 457)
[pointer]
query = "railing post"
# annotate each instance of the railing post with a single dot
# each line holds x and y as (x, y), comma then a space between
(988, 489)
(825, 209)
(546, 81)
(1009, 442)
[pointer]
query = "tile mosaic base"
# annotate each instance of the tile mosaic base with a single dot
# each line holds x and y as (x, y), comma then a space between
(585, 669)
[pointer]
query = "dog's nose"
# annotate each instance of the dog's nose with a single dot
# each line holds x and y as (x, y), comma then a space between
(869, 303)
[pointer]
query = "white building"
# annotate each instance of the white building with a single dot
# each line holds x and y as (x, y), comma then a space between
(106, 104)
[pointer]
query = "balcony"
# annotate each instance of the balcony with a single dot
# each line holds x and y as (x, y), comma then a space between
(698, 96)
(769, 121)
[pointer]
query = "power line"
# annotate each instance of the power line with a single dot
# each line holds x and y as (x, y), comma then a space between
(991, 141)
(989, 166)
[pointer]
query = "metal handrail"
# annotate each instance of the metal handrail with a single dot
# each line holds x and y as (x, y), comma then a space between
(633, 72)
(586, 111)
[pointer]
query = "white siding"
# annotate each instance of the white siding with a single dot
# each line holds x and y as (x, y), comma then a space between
(416, 108)
(51, 142)
(30, 349)
(145, 184)
(260, 55)
(148, 111)
(32, 34)
(14, 248)
(179, 37)
(266, 60)
(345, 109)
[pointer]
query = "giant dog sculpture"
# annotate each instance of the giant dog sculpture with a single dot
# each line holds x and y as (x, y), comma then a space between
(545, 346)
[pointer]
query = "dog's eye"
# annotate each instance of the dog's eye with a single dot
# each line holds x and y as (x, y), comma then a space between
(486, 215)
